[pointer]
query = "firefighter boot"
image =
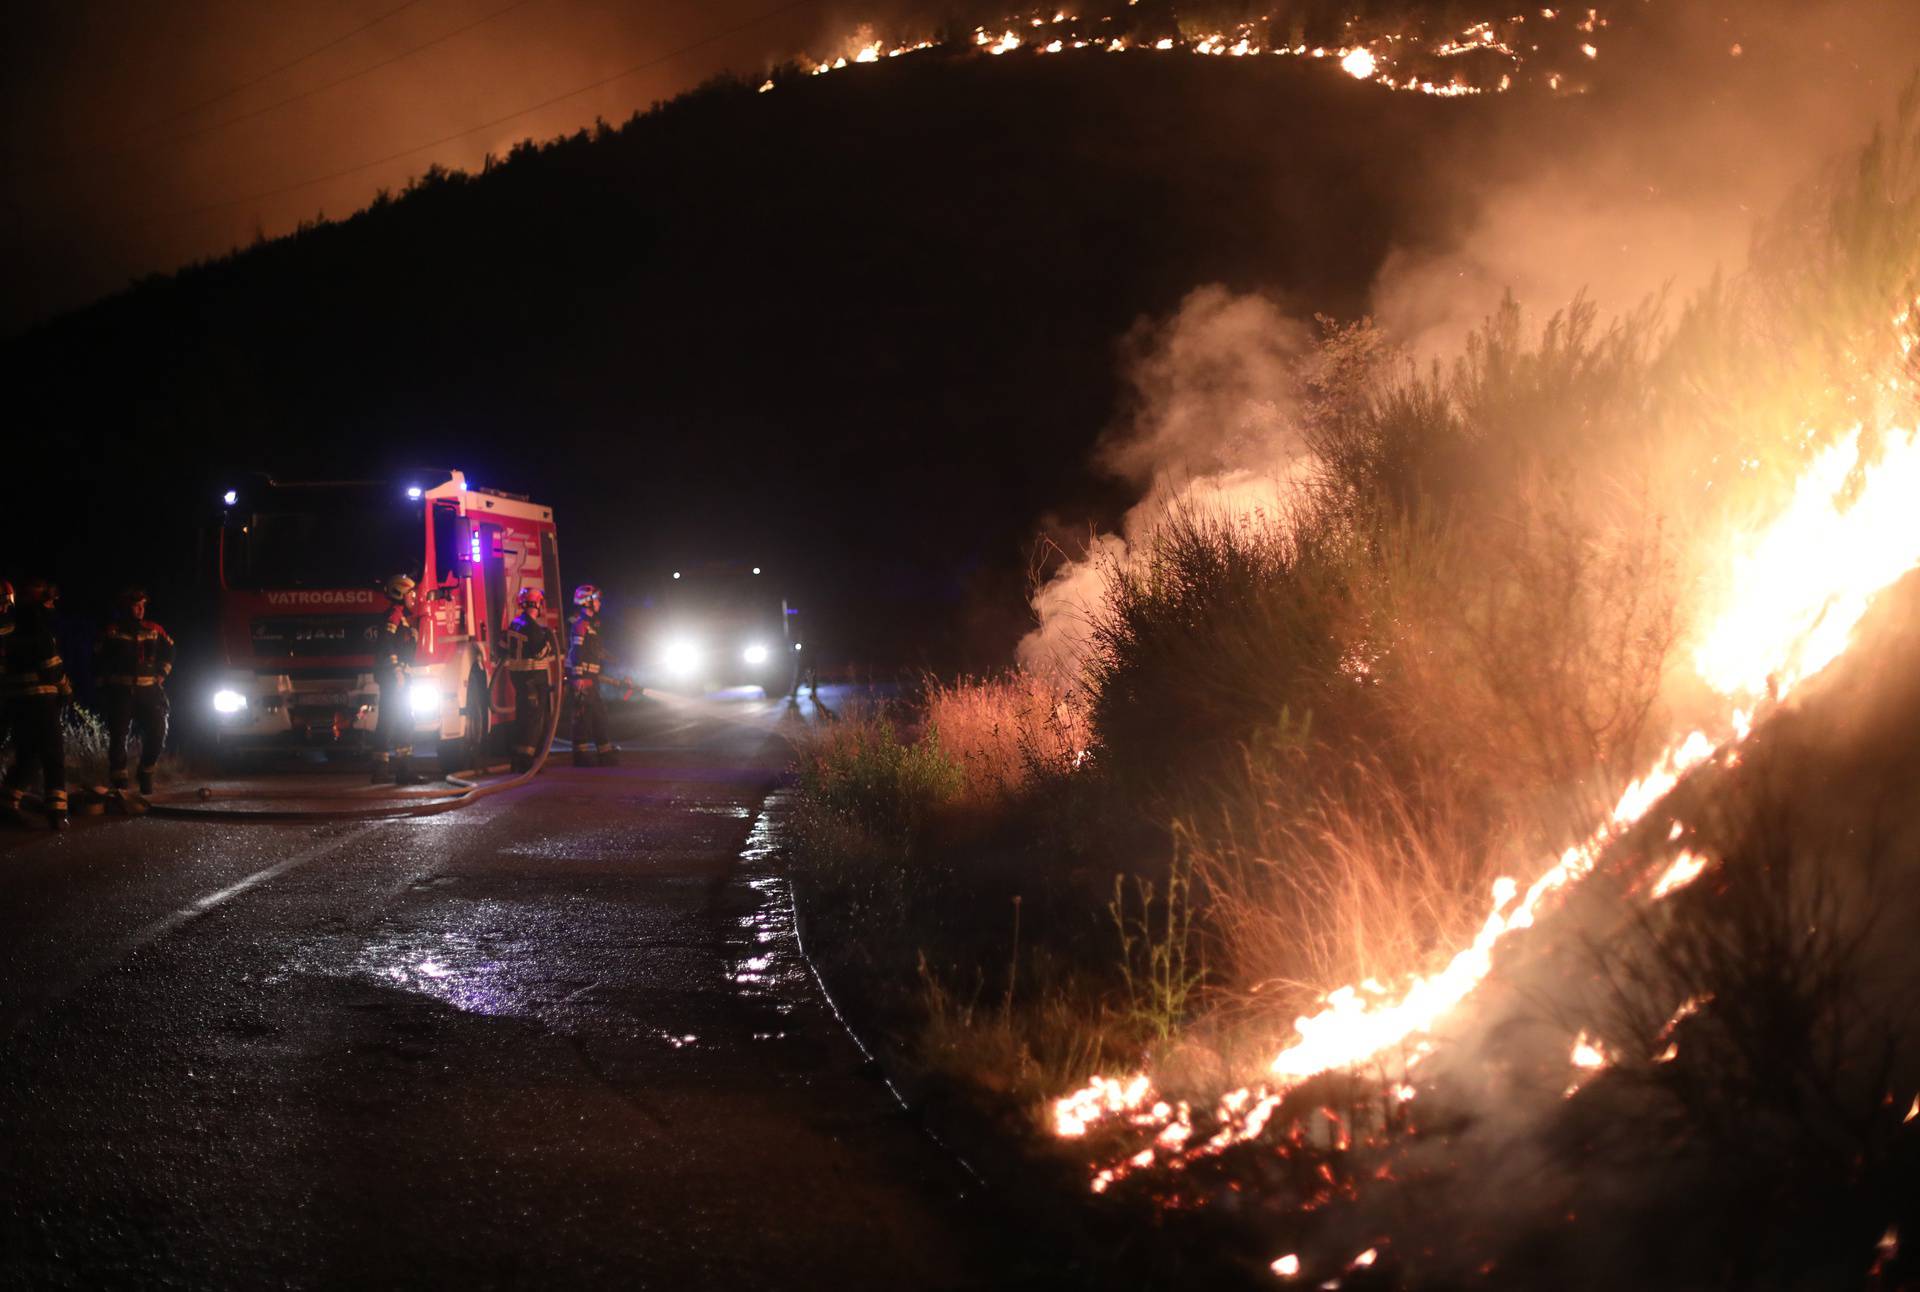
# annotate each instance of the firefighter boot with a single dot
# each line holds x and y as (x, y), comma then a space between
(57, 809)
(584, 757)
(609, 757)
(383, 769)
(146, 782)
(404, 772)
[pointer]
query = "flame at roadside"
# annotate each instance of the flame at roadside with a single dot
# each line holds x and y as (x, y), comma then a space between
(1796, 590)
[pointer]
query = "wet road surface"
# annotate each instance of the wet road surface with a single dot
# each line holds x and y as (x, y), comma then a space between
(561, 1037)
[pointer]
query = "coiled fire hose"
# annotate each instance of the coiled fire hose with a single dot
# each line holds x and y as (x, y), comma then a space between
(464, 793)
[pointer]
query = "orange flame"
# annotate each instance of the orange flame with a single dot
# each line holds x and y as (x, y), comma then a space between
(1797, 592)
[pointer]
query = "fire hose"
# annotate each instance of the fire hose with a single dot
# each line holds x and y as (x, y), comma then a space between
(465, 792)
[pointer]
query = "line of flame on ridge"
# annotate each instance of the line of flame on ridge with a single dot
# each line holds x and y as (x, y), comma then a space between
(1797, 590)
(1368, 61)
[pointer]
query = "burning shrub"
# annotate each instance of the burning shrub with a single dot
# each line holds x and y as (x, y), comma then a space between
(1353, 878)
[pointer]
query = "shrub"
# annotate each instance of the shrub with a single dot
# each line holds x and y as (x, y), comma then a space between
(1761, 1017)
(1006, 732)
(860, 769)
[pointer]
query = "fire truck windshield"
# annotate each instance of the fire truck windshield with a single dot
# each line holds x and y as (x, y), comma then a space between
(324, 537)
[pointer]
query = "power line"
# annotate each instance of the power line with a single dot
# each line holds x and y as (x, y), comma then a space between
(272, 72)
(735, 30)
(143, 144)
(333, 84)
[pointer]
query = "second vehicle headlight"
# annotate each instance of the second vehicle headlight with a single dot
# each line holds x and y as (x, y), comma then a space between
(755, 654)
(424, 699)
(228, 701)
(680, 657)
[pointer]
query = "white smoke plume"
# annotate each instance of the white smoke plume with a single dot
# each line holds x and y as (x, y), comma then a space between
(1705, 118)
(1208, 430)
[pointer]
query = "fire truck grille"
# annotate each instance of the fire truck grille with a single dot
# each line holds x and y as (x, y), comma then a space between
(312, 636)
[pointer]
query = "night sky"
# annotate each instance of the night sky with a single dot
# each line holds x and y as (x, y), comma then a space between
(140, 136)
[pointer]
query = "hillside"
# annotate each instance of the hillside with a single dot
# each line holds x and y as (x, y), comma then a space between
(867, 323)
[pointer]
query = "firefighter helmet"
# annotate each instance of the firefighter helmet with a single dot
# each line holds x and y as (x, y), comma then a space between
(400, 587)
(6, 595)
(584, 593)
(531, 597)
(41, 592)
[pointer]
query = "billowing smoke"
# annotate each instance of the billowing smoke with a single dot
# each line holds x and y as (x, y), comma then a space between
(1701, 122)
(1208, 430)
(1704, 118)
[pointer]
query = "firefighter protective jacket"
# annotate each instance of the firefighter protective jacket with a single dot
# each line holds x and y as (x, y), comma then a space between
(6, 646)
(394, 648)
(33, 663)
(585, 655)
(527, 648)
(135, 652)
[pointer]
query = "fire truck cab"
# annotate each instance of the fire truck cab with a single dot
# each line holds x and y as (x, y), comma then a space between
(300, 568)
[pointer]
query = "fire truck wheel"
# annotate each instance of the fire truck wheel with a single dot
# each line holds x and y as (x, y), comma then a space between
(469, 752)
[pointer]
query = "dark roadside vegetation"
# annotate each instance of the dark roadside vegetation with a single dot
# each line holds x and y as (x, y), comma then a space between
(1304, 744)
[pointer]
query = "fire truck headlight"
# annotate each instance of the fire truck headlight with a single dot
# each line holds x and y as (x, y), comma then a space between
(424, 699)
(755, 654)
(230, 497)
(228, 702)
(680, 658)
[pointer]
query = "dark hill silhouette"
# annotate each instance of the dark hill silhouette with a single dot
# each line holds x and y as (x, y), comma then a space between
(864, 326)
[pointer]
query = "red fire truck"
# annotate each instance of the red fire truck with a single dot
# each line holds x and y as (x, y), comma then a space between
(300, 569)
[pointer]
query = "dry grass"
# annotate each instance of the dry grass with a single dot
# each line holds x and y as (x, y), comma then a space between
(1006, 732)
(1360, 879)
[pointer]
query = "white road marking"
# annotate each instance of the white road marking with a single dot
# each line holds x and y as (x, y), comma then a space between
(193, 910)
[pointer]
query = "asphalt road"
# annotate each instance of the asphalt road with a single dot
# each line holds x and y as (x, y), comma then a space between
(562, 1037)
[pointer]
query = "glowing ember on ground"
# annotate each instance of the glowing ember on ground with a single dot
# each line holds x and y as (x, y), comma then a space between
(1358, 63)
(1588, 1053)
(1287, 1266)
(1685, 869)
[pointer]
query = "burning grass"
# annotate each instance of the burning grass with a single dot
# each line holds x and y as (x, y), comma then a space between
(1449, 662)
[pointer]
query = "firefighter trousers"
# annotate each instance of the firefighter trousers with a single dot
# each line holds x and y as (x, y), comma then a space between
(589, 730)
(393, 734)
(532, 712)
(40, 747)
(138, 710)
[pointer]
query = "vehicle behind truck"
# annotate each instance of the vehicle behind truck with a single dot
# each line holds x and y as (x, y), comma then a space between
(721, 624)
(299, 569)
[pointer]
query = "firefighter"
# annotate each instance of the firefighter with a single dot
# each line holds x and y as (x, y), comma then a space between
(38, 689)
(136, 655)
(528, 651)
(392, 659)
(6, 678)
(586, 658)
